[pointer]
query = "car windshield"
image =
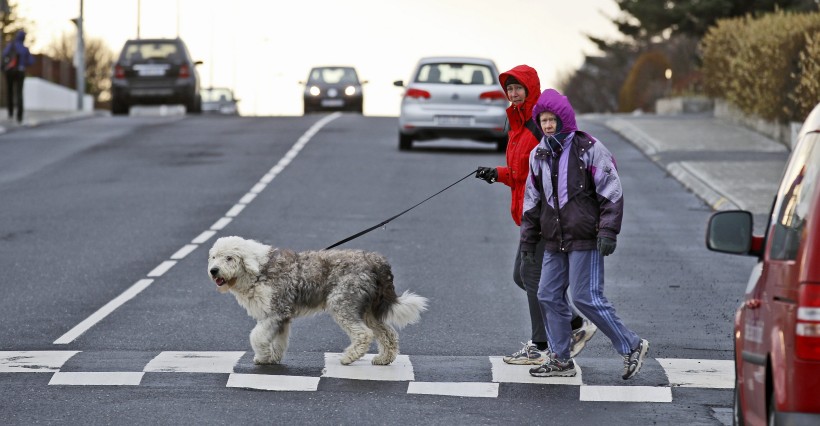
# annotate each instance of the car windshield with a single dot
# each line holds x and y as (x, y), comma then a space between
(455, 73)
(139, 52)
(333, 76)
(216, 95)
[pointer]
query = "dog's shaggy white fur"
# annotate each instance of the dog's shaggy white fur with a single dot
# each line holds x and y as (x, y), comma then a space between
(275, 286)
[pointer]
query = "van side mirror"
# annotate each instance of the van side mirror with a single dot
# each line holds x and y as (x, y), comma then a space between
(730, 232)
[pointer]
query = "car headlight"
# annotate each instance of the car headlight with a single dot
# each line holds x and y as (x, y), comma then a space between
(314, 91)
(350, 90)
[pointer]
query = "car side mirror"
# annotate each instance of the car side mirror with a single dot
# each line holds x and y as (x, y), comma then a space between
(730, 232)
(398, 83)
(197, 63)
(365, 82)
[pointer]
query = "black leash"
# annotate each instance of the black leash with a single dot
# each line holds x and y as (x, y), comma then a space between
(353, 237)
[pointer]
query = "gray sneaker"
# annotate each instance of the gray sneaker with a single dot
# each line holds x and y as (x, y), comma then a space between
(554, 368)
(634, 361)
(528, 355)
(580, 337)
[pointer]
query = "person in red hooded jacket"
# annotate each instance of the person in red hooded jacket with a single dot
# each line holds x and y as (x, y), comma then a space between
(523, 88)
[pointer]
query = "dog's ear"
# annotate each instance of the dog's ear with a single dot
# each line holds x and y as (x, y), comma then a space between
(251, 264)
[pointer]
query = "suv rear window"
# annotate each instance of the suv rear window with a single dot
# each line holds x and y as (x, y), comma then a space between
(794, 203)
(454, 73)
(139, 52)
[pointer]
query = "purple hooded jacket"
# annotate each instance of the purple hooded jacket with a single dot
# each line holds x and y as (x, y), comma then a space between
(25, 57)
(589, 192)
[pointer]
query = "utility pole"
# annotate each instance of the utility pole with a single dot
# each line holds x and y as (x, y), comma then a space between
(138, 19)
(79, 59)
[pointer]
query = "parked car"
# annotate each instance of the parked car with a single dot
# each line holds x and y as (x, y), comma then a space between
(333, 88)
(219, 100)
(777, 326)
(454, 97)
(155, 71)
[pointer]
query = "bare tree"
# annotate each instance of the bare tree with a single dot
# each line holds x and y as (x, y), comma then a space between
(98, 61)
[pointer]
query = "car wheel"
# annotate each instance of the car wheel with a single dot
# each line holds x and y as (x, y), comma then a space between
(306, 111)
(501, 145)
(118, 107)
(405, 142)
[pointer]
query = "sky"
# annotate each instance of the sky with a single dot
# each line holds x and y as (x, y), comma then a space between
(262, 49)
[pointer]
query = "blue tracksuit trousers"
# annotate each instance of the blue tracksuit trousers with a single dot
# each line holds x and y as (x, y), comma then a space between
(583, 272)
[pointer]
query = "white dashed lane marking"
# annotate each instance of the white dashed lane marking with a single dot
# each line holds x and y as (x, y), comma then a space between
(626, 393)
(273, 383)
(699, 373)
(400, 370)
(466, 389)
(194, 362)
(506, 373)
(33, 361)
(113, 378)
(202, 238)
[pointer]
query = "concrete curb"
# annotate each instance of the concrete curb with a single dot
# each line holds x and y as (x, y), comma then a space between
(59, 118)
(684, 174)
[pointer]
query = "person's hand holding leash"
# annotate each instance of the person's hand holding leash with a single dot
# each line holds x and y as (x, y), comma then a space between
(489, 174)
(528, 257)
(606, 245)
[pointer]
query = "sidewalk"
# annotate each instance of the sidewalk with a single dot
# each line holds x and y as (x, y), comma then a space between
(32, 118)
(728, 166)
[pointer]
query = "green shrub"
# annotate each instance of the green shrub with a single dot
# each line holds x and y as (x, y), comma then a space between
(764, 66)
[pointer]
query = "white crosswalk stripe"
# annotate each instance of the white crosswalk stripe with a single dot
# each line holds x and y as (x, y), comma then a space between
(692, 373)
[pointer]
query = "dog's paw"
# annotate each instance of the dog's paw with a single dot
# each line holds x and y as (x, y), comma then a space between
(264, 361)
(383, 360)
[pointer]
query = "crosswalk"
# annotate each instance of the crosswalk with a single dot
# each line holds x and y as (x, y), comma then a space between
(697, 373)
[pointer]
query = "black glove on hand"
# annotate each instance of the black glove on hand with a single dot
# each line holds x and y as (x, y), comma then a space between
(489, 174)
(606, 245)
(528, 257)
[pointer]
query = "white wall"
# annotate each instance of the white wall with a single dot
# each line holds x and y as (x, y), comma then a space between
(43, 95)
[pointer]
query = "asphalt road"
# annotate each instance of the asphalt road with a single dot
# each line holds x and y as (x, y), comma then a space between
(103, 207)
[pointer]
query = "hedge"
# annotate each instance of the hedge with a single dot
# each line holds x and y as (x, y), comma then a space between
(766, 66)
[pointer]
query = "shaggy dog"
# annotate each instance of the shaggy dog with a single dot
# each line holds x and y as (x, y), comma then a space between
(275, 286)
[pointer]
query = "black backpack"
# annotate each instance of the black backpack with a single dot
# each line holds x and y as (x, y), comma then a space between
(11, 61)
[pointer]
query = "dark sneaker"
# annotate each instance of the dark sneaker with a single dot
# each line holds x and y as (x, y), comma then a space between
(554, 368)
(528, 355)
(634, 361)
(580, 337)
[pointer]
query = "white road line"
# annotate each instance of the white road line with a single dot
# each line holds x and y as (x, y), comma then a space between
(221, 223)
(184, 251)
(507, 373)
(699, 373)
(626, 393)
(202, 238)
(162, 268)
(400, 370)
(33, 361)
(103, 312)
(467, 389)
(194, 362)
(114, 378)
(273, 383)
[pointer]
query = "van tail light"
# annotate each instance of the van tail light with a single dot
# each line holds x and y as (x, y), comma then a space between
(495, 95)
(807, 328)
(417, 94)
(119, 72)
(184, 71)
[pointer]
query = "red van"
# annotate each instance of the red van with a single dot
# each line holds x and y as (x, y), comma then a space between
(777, 326)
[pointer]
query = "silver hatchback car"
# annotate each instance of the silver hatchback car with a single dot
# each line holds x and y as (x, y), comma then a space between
(453, 97)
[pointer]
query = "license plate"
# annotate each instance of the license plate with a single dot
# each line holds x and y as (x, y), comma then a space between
(150, 70)
(332, 102)
(152, 92)
(453, 120)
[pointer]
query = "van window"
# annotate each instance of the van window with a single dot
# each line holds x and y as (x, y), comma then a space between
(793, 204)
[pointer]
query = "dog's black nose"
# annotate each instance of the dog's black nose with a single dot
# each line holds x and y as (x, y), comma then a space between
(214, 271)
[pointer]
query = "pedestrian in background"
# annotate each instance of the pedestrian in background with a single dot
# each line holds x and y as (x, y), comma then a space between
(523, 87)
(16, 58)
(574, 205)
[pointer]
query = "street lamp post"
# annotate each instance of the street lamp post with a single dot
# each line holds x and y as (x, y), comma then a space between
(79, 59)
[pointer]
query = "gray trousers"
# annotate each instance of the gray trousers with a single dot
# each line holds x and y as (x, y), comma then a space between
(583, 273)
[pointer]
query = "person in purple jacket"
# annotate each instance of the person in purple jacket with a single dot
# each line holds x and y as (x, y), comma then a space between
(574, 202)
(16, 58)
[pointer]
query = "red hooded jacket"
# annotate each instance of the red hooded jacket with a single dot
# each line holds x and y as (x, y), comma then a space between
(521, 139)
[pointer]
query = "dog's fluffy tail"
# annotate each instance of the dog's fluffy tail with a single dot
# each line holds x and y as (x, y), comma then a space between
(406, 310)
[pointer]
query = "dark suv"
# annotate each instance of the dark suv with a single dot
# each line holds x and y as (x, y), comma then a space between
(155, 71)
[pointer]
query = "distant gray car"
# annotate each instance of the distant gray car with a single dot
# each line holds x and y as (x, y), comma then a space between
(219, 100)
(454, 97)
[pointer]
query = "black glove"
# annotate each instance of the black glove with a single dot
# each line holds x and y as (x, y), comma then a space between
(606, 245)
(528, 257)
(489, 174)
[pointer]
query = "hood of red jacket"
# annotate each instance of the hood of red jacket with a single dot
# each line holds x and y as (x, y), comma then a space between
(529, 79)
